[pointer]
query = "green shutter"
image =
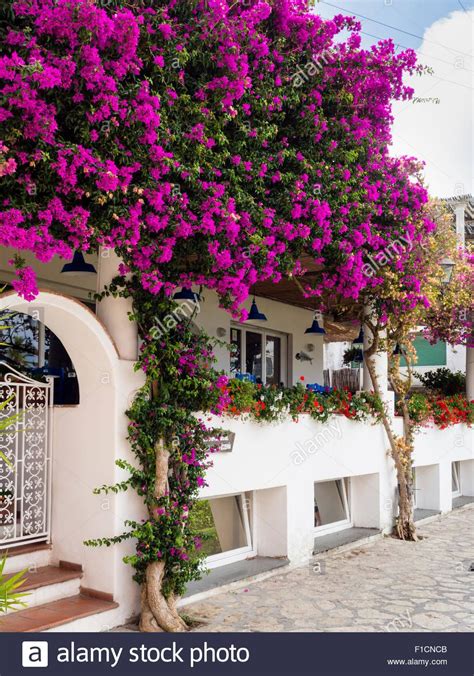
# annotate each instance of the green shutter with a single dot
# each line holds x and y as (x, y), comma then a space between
(428, 355)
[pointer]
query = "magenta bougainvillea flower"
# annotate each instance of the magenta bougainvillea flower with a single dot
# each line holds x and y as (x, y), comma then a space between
(212, 142)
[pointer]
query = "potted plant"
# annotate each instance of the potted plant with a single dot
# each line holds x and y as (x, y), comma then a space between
(352, 355)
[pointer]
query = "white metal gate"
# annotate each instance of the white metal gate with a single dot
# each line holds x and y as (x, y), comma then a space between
(25, 463)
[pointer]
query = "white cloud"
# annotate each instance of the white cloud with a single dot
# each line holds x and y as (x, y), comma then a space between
(441, 134)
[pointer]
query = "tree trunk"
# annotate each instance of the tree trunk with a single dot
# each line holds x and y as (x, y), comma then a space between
(159, 613)
(405, 524)
(400, 448)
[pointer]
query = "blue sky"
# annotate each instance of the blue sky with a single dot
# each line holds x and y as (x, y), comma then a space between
(436, 126)
(412, 16)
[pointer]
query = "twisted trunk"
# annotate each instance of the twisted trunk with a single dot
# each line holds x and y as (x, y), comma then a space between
(401, 449)
(405, 524)
(159, 613)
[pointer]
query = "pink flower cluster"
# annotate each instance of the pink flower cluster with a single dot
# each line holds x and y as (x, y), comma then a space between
(196, 142)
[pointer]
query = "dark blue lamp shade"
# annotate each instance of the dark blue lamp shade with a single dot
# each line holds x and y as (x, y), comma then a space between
(398, 349)
(360, 338)
(315, 328)
(78, 266)
(255, 314)
(187, 294)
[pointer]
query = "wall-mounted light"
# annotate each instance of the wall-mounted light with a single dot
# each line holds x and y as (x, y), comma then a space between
(447, 266)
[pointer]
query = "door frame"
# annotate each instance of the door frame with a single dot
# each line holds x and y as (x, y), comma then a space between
(264, 332)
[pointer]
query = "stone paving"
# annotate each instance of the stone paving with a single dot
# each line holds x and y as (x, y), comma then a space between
(387, 585)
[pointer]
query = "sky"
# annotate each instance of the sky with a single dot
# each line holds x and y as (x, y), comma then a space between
(437, 125)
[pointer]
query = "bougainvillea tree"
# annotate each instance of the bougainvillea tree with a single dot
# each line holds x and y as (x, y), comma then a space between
(192, 140)
(213, 143)
(415, 294)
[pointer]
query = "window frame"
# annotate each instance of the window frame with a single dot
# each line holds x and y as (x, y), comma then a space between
(240, 553)
(284, 351)
(414, 488)
(342, 524)
(456, 476)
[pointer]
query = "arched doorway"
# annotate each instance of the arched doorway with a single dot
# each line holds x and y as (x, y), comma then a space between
(86, 440)
(36, 373)
(63, 337)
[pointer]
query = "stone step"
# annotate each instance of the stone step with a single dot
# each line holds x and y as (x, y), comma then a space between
(49, 583)
(64, 613)
(26, 556)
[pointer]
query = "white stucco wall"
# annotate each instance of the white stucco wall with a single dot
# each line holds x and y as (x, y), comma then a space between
(334, 353)
(49, 275)
(435, 451)
(283, 456)
(280, 457)
(455, 358)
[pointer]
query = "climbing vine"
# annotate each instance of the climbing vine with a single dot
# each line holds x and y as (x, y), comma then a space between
(172, 446)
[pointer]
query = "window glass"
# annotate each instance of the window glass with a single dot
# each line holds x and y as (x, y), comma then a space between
(258, 354)
(329, 502)
(253, 354)
(236, 352)
(273, 360)
(455, 487)
(33, 349)
(221, 522)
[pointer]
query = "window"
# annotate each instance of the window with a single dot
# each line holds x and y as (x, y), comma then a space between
(414, 487)
(273, 360)
(236, 354)
(29, 346)
(225, 524)
(456, 479)
(253, 355)
(331, 506)
(261, 354)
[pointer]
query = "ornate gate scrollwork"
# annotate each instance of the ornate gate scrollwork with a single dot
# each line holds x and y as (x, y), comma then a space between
(25, 442)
